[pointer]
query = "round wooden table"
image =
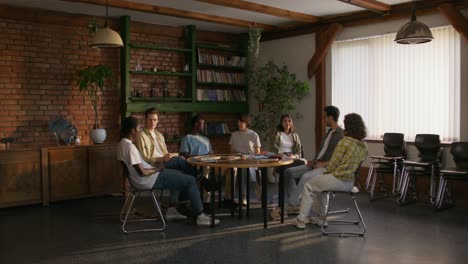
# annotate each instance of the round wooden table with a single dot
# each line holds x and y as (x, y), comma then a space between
(232, 161)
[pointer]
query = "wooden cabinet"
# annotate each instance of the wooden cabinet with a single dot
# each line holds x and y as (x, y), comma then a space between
(104, 170)
(20, 177)
(79, 171)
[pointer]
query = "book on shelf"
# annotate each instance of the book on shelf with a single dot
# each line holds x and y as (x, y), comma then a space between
(221, 95)
(209, 76)
(216, 128)
(220, 60)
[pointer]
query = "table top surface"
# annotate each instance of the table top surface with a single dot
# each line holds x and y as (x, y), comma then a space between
(236, 161)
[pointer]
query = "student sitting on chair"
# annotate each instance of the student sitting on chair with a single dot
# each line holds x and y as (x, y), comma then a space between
(245, 141)
(296, 177)
(339, 173)
(146, 176)
(152, 146)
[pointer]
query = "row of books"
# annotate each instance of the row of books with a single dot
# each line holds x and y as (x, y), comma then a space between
(209, 76)
(220, 60)
(216, 128)
(219, 95)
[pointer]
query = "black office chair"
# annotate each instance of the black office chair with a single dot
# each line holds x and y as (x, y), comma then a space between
(428, 163)
(459, 151)
(390, 162)
(131, 192)
(331, 194)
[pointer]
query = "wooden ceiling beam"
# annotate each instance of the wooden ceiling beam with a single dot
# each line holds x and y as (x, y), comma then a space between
(264, 9)
(398, 11)
(371, 5)
(458, 21)
(167, 11)
(327, 39)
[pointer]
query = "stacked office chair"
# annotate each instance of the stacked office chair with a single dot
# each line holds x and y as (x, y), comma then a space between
(428, 164)
(459, 151)
(344, 233)
(131, 192)
(390, 162)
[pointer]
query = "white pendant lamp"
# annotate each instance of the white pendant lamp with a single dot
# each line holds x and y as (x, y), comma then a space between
(106, 37)
(414, 32)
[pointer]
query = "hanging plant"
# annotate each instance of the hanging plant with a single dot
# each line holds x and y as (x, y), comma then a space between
(92, 25)
(254, 41)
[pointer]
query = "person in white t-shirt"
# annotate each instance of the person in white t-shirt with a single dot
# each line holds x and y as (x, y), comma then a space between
(245, 141)
(144, 176)
(296, 177)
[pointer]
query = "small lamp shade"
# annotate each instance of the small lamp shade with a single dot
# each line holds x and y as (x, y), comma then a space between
(106, 38)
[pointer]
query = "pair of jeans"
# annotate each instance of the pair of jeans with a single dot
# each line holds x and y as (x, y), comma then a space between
(180, 163)
(313, 196)
(292, 188)
(185, 184)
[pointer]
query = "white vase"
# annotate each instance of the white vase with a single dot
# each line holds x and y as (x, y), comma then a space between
(98, 135)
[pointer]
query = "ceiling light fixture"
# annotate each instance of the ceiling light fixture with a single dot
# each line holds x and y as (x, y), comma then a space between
(414, 32)
(106, 37)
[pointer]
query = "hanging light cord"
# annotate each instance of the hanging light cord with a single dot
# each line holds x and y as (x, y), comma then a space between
(107, 13)
(413, 16)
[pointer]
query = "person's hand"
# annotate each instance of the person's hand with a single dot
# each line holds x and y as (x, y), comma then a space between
(320, 164)
(310, 164)
(167, 157)
(159, 166)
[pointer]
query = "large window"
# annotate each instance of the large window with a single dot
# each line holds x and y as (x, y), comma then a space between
(410, 89)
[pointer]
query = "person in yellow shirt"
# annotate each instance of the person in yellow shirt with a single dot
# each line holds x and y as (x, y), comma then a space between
(339, 173)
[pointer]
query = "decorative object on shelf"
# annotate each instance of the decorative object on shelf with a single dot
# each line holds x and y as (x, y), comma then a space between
(91, 80)
(254, 41)
(414, 32)
(7, 141)
(63, 130)
(186, 68)
(278, 92)
(139, 94)
(180, 94)
(155, 69)
(173, 69)
(138, 66)
(165, 90)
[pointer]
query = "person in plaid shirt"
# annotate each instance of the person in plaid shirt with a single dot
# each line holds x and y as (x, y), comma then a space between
(339, 173)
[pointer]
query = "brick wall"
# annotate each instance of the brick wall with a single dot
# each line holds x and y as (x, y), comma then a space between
(41, 53)
(39, 65)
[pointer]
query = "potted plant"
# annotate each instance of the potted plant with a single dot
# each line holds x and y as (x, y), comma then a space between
(91, 80)
(277, 92)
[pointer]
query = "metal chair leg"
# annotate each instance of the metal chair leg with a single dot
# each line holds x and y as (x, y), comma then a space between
(130, 207)
(344, 233)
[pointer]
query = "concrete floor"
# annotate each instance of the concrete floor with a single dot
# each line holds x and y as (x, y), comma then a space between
(88, 231)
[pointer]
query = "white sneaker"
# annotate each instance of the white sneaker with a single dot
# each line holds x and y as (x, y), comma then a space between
(299, 223)
(204, 220)
(317, 221)
(173, 215)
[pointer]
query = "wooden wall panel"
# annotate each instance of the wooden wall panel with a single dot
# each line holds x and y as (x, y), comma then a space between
(20, 177)
(68, 173)
(104, 170)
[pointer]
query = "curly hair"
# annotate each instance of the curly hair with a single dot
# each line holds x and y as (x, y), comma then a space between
(354, 126)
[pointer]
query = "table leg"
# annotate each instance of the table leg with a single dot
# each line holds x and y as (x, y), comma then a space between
(212, 198)
(218, 181)
(232, 191)
(247, 191)
(239, 181)
(281, 195)
(264, 200)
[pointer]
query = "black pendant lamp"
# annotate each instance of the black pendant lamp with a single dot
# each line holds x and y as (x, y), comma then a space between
(414, 32)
